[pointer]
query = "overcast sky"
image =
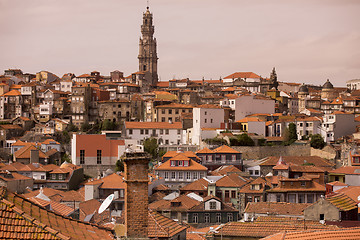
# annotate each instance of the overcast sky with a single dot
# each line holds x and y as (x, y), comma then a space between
(307, 41)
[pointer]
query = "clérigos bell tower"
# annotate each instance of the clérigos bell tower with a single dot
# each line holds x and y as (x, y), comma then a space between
(147, 48)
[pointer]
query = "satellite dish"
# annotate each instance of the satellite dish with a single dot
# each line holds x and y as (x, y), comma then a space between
(359, 198)
(106, 203)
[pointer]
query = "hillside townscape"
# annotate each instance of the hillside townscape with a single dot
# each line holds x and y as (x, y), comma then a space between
(126, 156)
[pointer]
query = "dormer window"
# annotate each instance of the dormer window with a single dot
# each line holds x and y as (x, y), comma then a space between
(303, 184)
(173, 163)
(186, 163)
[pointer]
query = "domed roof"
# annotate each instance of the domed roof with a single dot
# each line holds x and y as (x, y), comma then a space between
(328, 85)
(303, 89)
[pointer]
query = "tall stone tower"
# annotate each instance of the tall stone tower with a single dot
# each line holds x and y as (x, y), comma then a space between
(147, 48)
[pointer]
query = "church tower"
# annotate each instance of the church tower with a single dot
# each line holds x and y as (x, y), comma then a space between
(147, 48)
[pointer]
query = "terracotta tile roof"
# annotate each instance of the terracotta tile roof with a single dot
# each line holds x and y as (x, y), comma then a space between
(88, 207)
(11, 93)
(232, 180)
(160, 226)
(113, 181)
(242, 75)
(13, 167)
(311, 187)
(185, 204)
(350, 170)
(193, 165)
(151, 125)
(336, 183)
(309, 119)
(249, 119)
(225, 170)
(342, 202)
(225, 149)
(351, 191)
(208, 106)
(161, 187)
(205, 150)
(50, 141)
(10, 126)
(339, 234)
(188, 154)
(305, 168)
(276, 208)
(201, 205)
(34, 221)
(198, 185)
(300, 160)
(13, 177)
(263, 182)
(57, 207)
(57, 195)
(265, 228)
(24, 152)
(176, 105)
(162, 84)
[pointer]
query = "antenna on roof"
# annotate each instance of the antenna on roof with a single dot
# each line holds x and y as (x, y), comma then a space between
(106, 203)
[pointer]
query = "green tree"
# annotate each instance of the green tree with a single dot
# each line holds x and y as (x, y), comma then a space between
(273, 78)
(242, 140)
(290, 135)
(119, 165)
(65, 158)
(72, 128)
(66, 137)
(108, 125)
(317, 141)
(85, 127)
(292, 131)
(151, 146)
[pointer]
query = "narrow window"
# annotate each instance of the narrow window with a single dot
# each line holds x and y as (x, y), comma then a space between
(98, 157)
(82, 156)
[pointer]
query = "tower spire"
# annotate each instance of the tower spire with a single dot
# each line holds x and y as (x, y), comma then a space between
(147, 48)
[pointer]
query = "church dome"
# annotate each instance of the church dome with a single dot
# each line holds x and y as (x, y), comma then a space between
(328, 85)
(303, 89)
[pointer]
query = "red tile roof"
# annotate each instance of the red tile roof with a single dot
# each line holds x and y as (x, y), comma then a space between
(160, 226)
(172, 154)
(300, 160)
(342, 201)
(272, 225)
(242, 75)
(225, 149)
(24, 152)
(11, 93)
(21, 219)
(225, 170)
(339, 234)
(350, 170)
(276, 208)
(193, 165)
(198, 185)
(153, 125)
(232, 180)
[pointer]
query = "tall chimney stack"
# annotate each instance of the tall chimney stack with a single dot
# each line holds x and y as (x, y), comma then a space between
(34, 156)
(136, 166)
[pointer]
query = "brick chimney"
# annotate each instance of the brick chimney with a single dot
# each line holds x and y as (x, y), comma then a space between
(136, 166)
(34, 156)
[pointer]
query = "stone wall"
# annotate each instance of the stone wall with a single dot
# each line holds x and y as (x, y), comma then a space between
(327, 152)
(259, 152)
